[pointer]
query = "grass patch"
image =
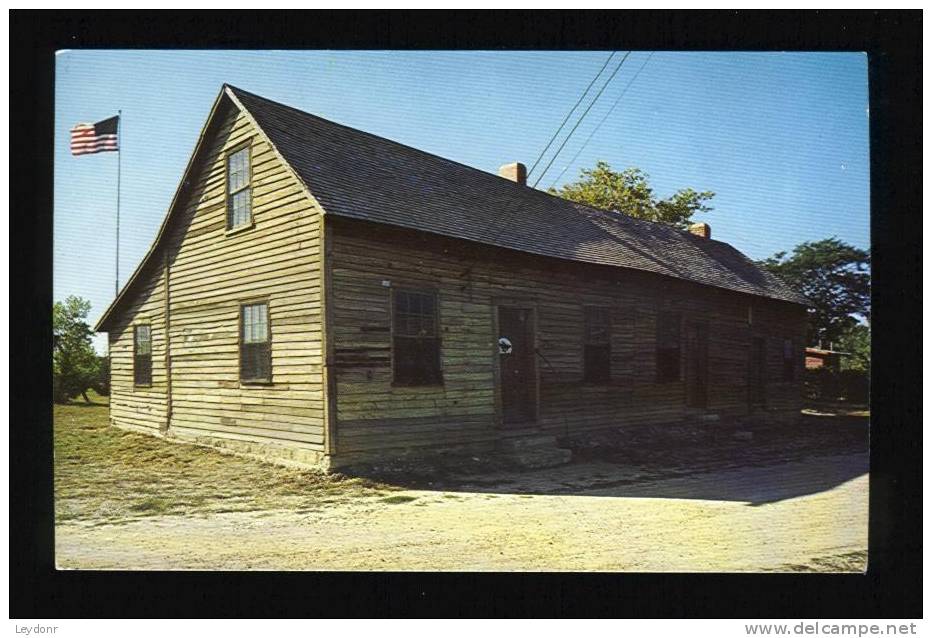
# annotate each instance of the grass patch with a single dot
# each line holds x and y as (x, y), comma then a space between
(104, 474)
(846, 562)
(151, 505)
(398, 499)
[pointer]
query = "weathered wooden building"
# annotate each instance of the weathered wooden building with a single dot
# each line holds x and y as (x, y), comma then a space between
(322, 294)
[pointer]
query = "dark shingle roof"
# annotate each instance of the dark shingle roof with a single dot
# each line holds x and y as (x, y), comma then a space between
(362, 176)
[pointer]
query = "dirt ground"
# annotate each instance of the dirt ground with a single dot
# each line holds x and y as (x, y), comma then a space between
(798, 503)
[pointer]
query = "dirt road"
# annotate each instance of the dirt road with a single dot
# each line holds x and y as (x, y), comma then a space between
(798, 515)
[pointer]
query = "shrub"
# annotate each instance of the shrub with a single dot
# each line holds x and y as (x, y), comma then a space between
(825, 384)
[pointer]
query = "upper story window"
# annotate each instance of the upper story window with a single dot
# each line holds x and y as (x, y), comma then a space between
(255, 351)
(239, 190)
(668, 346)
(415, 338)
(789, 360)
(142, 355)
(597, 349)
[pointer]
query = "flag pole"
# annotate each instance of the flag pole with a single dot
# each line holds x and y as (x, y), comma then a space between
(116, 281)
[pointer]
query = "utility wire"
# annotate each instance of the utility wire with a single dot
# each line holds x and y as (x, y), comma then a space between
(582, 117)
(599, 125)
(565, 119)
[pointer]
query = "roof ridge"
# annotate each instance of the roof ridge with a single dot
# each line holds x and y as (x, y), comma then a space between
(378, 137)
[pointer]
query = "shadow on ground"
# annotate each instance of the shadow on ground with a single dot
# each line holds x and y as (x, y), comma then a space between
(819, 453)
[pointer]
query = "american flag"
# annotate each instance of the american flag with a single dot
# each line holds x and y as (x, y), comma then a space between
(95, 138)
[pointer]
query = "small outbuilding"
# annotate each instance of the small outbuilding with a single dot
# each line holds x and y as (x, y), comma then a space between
(817, 358)
(322, 294)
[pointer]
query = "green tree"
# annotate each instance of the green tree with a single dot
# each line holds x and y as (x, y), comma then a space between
(856, 341)
(629, 192)
(75, 366)
(835, 278)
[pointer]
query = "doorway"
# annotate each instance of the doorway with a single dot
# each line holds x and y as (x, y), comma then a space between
(697, 365)
(517, 366)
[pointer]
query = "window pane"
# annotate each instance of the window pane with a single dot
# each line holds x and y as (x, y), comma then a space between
(142, 370)
(142, 357)
(401, 302)
(598, 323)
(263, 320)
(416, 361)
(668, 364)
(238, 170)
(240, 208)
(254, 362)
(415, 314)
(255, 323)
(143, 340)
(427, 305)
(597, 363)
(668, 330)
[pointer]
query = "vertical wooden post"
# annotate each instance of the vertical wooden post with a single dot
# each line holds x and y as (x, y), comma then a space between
(328, 380)
(168, 349)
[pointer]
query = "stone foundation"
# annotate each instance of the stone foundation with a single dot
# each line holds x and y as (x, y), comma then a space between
(695, 430)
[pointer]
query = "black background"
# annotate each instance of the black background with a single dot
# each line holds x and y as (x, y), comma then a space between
(891, 588)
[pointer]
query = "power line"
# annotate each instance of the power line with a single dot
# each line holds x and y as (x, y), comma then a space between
(582, 117)
(605, 117)
(565, 119)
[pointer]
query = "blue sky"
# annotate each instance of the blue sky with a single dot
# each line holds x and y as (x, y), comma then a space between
(782, 138)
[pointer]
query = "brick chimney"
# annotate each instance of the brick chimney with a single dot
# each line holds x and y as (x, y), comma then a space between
(701, 229)
(516, 172)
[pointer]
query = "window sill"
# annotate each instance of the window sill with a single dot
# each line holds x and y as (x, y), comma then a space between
(240, 229)
(141, 386)
(397, 384)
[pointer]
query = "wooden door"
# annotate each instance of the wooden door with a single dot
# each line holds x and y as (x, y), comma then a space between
(517, 366)
(756, 380)
(697, 365)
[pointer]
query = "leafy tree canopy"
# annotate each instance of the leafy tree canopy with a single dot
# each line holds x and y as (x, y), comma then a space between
(856, 341)
(75, 366)
(629, 192)
(834, 277)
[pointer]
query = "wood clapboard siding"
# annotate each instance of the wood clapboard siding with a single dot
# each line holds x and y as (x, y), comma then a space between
(212, 271)
(140, 408)
(470, 280)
